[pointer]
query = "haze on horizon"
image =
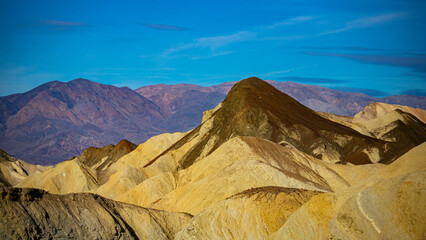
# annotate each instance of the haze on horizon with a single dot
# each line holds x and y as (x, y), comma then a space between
(374, 47)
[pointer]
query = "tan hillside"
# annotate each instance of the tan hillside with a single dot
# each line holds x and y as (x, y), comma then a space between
(82, 173)
(126, 172)
(96, 165)
(13, 171)
(36, 214)
(378, 120)
(383, 202)
(252, 214)
(390, 205)
(240, 164)
(395, 126)
(70, 176)
(375, 110)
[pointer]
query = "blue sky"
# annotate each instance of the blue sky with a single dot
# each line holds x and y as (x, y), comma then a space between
(375, 47)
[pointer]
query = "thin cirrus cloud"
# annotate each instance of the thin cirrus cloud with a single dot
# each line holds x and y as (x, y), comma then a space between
(162, 27)
(313, 80)
(288, 22)
(416, 63)
(216, 42)
(366, 22)
(211, 42)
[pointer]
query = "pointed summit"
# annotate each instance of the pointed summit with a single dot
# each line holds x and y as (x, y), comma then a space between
(255, 108)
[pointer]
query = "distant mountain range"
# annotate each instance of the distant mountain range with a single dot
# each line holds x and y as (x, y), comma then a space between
(57, 120)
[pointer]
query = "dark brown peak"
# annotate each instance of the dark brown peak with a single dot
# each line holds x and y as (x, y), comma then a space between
(250, 83)
(258, 90)
(106, 147)
(254, 94)
(125, 144)
(92, 155)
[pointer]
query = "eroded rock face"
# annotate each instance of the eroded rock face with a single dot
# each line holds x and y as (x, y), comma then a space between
(36, 214)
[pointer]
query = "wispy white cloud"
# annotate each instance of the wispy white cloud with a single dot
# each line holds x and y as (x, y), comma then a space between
(214, 54)
(260, 33)
(288, 22)
(280, 72)
(212, 42)
(366, 22)
(220, 41)
(216, 42)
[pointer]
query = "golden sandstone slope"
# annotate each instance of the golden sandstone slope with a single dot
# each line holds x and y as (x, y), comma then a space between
(13, 171)
(263, 166)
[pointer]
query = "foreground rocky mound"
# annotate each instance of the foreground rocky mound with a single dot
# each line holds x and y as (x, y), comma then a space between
(13, 171)
(36, 214)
